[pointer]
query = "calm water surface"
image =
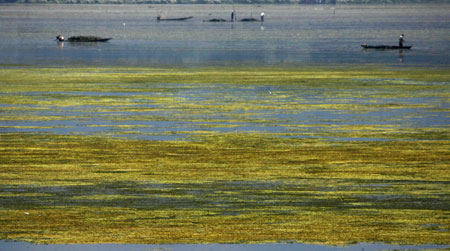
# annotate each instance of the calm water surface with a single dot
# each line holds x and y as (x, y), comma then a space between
(290, 35)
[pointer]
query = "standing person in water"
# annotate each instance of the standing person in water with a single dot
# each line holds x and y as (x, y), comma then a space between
(232, 16)
(262, 16)
(401, 40)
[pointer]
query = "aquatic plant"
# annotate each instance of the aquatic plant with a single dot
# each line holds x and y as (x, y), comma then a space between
(136, 155)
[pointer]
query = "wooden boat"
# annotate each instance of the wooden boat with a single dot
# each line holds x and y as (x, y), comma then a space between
(216, 20)
(87, 39)
(386, 47)
(83, 39)
(173, 19)
(251, 19)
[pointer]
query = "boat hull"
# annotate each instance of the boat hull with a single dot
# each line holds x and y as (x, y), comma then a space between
(216, 20)
(174, 19)
(87, 39)
(386, 47)
(249, 20)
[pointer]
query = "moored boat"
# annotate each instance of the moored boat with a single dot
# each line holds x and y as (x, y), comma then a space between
(216, 20)
(173, 19)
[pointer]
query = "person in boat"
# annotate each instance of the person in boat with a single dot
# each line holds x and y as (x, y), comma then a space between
(233, 16)
(262, 16)
(401, 40)
(60, 38)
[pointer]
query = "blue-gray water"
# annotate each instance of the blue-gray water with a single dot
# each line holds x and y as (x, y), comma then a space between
(19, 246)
(146, 119)
(290, 35)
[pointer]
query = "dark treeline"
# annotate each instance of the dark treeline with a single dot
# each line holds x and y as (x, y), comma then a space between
(226, 1)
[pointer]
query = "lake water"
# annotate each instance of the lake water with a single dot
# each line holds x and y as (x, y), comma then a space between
(177, 111)
(16, 246)
(290, 35)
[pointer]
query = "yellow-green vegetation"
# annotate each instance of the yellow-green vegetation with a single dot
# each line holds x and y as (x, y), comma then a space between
(116, 78)
(314, 155)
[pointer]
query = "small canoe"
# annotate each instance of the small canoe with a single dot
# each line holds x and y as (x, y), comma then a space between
(249, 20)
(216, 20)
(386, 47)
(87, 39)
(174, 19)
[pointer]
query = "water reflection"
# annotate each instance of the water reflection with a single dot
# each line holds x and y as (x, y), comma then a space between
(379, 53)
(400, 56)
(80, 44)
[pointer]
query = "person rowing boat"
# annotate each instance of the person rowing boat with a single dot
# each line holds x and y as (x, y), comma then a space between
(60, 38)
(400, 46)
(401, 40)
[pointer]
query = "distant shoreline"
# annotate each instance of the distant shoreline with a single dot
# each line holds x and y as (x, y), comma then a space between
(276, 2)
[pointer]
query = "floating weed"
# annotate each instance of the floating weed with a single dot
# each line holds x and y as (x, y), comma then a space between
(221, 98)
(315, 155)
(266, 187)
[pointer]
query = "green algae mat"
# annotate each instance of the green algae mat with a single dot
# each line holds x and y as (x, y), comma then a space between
(225, 155)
